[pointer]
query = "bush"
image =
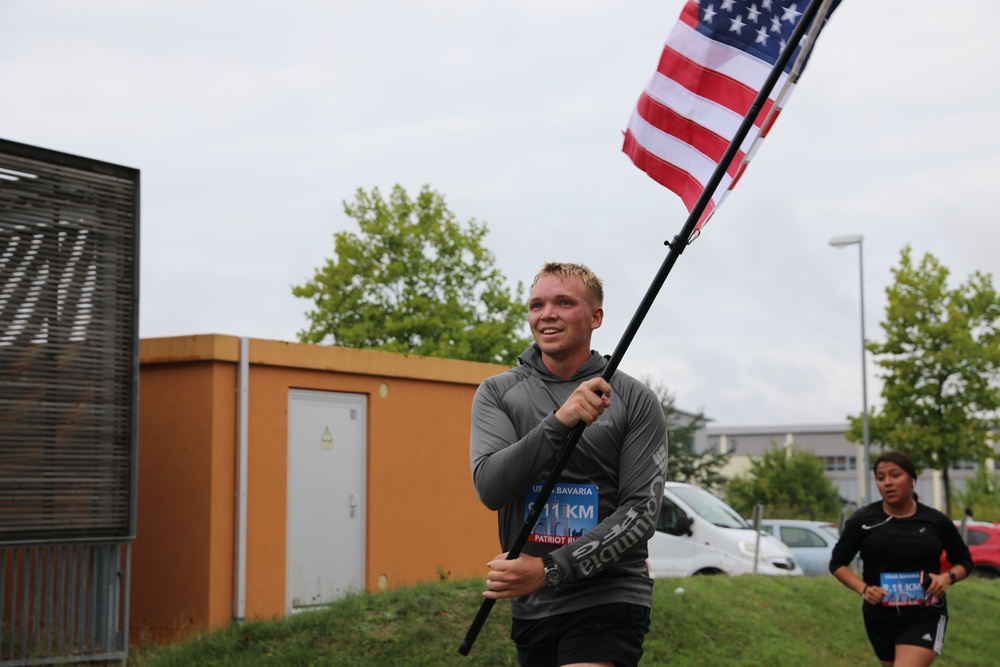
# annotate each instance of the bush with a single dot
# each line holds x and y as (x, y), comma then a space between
(791, 485)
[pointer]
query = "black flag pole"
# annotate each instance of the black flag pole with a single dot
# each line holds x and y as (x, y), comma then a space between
(676, 247)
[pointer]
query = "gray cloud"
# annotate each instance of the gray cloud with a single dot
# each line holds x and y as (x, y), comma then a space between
(252, 122)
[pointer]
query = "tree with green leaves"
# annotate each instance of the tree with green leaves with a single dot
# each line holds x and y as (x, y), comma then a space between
(981, 496)
(415, 280)
(684, 464)
(791, 484)
(940, 366)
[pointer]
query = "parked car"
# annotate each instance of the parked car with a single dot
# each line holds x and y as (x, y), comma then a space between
(698, 533)
(811, 542)
(984, 544)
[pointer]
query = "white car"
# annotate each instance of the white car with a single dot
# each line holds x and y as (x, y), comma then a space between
(698, 533)
(812, 542)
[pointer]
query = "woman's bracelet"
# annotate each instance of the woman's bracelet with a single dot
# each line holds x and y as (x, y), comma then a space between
(864, 591)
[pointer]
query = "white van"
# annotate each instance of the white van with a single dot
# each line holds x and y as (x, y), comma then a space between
(698, 533)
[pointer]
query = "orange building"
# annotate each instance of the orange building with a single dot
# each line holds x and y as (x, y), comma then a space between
(276, 476)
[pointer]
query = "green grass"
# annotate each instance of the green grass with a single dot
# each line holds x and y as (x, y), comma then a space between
(745, 621)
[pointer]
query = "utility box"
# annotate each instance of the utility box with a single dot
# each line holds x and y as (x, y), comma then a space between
(277, 477)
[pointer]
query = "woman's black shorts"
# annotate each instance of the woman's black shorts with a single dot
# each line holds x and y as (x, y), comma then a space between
(917, 626)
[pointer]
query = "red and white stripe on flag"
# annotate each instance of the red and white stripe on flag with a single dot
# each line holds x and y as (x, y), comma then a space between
(693, 105)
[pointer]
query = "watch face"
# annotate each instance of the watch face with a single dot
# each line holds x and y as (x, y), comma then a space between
(553, 576)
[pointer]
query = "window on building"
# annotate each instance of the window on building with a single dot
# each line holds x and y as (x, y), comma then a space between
(839, 463)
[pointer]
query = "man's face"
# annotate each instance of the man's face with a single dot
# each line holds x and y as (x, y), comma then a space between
(561, 317)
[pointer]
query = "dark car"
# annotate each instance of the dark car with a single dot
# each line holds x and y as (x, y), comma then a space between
(984, 545)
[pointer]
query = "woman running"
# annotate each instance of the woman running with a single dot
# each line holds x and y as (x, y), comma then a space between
(900, 540)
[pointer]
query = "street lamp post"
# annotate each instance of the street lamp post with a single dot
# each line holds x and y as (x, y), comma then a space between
(842, 242)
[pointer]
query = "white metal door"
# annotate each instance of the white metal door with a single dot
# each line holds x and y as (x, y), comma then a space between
(326, 493)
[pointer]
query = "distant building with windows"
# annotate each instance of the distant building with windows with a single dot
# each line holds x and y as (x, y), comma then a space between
(840, 457)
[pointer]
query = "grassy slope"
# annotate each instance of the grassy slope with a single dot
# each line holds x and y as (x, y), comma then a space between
(746, 621)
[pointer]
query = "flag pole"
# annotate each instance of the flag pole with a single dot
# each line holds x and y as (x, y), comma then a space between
(676, 248)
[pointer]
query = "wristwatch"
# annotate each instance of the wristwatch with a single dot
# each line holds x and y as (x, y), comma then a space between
(553, 575)
(951, 575)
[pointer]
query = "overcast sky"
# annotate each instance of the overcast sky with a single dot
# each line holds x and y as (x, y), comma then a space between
(251, 123)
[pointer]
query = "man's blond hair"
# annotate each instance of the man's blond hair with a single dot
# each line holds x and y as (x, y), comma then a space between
(592, 283)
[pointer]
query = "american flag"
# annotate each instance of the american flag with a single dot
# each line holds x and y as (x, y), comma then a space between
(713, 65)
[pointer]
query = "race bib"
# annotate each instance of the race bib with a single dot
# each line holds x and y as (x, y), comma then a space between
(902, 589)
(570, 512)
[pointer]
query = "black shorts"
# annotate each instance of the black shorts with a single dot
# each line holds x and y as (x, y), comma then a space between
(916, 626)
(605, 633)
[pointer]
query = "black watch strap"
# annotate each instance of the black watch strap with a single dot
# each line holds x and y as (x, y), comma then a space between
(951, 575)
(553, 575)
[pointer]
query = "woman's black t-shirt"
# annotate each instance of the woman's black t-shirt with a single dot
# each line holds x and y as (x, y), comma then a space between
(890, 544)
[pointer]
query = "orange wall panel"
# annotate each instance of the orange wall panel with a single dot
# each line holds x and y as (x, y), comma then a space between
(425, 505)
(171, 553)
(267, 493)
(222, 494)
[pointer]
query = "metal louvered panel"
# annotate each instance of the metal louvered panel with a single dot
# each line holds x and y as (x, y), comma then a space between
(61, 603)
(68, 345)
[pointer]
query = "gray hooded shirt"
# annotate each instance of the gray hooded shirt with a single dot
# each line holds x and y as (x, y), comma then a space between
(603, 511)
